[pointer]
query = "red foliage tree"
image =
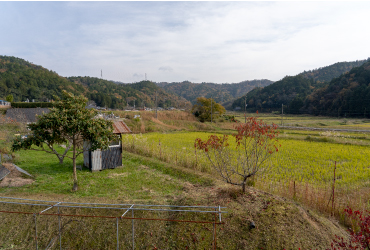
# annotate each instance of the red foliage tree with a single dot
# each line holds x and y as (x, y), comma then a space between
(359, 233)
(255, 140)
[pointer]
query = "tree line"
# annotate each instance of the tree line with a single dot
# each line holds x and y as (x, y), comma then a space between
(345, 95)
(26, 81)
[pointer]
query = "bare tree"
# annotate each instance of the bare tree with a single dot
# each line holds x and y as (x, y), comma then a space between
(256, 142)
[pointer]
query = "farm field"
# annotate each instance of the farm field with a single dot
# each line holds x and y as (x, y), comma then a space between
(306, 158)
(164, 168)
(144, 180)
(309, 121)
(302, 160)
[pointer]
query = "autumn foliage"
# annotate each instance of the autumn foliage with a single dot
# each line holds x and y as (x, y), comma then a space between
(359, 233)
(255, 142)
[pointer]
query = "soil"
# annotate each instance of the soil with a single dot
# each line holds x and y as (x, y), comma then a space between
(14, 178)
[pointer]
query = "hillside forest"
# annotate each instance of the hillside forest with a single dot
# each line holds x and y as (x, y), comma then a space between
(340, 89)
(24, 80)
(346, 94)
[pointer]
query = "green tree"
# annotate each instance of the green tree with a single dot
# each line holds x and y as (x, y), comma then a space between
(9, 98)
(206, 109)
(68, 122)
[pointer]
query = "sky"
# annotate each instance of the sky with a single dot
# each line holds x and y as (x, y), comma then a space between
(220, 42)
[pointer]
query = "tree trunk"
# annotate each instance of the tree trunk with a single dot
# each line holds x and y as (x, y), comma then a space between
(75, 184)
(243, 185)
(65, 153)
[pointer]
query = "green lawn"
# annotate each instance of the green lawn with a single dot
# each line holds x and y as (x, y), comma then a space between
(138, 178)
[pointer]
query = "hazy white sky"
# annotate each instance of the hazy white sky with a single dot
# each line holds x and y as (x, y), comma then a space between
(221, 42)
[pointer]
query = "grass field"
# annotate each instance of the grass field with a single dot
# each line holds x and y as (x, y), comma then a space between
(145, 180)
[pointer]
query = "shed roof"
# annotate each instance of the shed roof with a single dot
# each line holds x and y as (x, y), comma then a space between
(120, 127)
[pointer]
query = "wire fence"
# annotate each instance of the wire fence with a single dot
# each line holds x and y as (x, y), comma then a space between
(38, 224)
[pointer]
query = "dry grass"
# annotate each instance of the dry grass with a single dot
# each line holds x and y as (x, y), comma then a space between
(320, 198)
(14, 178)
(162, 115)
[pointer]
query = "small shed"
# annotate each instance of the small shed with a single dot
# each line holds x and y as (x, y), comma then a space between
(112, 157)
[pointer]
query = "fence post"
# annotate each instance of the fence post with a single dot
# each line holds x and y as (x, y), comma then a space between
(196, 158)
(117, 234)
(60, 233)
(332, 202)
(133, 230)
(37, 247)
(160, 150)
(214, 232)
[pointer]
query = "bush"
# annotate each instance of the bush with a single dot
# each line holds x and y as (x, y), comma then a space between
(359, 233)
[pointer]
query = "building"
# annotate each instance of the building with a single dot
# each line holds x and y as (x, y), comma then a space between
(112, 157)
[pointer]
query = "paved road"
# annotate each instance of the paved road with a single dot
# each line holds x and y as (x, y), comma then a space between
(324, 129)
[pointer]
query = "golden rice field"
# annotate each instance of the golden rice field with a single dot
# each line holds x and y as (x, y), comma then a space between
(300, 160)
(302, 169)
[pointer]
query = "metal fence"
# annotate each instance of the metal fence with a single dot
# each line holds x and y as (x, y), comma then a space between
(39, 224)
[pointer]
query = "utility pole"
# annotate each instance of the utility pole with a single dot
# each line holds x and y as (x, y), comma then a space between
(282, 113)
(156, 106)
(245, 110)
(211, 109)
(101, 74)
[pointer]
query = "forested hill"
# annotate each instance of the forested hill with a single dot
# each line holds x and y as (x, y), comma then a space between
(25, 80)
(292, 91)
(109, 94)
(346, 96)
(220, 92)
(325, 74)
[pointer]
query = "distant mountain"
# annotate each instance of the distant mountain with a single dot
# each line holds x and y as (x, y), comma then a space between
(326, 74)
(346, 96)
(289, 90)
(292, 91)
(221, 93)
(25, 80)
(140, 94)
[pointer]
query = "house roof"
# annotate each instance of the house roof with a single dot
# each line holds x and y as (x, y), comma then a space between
(25, 115)
(120, 127)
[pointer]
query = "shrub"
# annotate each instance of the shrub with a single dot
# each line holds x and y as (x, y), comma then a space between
(359, 233)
